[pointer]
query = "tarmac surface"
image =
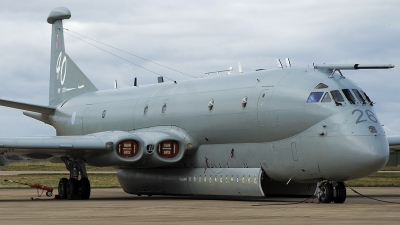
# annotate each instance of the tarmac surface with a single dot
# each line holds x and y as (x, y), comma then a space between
(113, 206)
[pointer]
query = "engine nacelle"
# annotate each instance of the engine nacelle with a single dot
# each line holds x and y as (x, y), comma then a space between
(158, 146)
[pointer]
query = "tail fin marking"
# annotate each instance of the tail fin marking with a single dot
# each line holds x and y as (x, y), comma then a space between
(66, 79)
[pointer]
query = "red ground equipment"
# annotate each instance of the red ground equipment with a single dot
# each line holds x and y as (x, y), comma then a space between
(48, 189)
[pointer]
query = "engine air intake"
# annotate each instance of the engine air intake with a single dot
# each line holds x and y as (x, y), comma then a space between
(168, 149)
(127, 148)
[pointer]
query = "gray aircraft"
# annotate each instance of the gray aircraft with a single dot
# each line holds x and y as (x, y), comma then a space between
(287, 131)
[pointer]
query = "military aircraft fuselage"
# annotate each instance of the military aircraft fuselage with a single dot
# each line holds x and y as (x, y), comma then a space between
(269, 118)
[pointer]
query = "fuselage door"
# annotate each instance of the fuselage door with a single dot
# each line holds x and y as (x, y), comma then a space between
(85, 120)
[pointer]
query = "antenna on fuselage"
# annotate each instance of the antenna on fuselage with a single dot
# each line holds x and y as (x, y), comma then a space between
(160, 79)
(240, 67)
(279, 63)
(217, 72)
(288, 63)
(135, 82)
(230, 70)
(115, 84)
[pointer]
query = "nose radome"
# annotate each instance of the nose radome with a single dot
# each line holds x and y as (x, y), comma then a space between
(360, 156)
(374, 157)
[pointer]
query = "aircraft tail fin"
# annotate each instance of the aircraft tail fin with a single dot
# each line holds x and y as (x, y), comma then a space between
(66, 79)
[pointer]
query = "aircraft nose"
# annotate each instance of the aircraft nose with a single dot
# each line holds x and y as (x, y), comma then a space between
(372, 153)
(359, 156)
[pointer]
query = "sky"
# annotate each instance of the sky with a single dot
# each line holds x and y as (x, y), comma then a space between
(195, 37)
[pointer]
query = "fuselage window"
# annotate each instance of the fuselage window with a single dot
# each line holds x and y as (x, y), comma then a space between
(244, 102)
(326, 98)
(337, 97)
(315, 96)
(211, 105)
(349, 96)
(359, 96)
(321, 85)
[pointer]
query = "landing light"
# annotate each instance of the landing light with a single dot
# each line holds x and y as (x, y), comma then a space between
(372, 129)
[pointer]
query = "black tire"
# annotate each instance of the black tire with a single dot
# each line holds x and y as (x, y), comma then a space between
(62, 188)
(326, 195)
(340, 193)
(84, 187)
(72, 188)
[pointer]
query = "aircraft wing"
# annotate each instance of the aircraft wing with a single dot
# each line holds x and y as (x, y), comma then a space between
(108, 148)
(47, 110)
(394, 141)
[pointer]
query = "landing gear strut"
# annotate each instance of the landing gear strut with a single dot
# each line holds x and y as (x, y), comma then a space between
(73, 188)
(335, 191)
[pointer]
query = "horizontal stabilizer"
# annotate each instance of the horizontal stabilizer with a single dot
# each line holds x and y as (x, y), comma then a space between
(47, 110)
(352, 66)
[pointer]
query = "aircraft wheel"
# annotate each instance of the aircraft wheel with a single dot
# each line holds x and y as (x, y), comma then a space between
(72, 188)
(326, 195)
(340, 193)
(84, 186)
(62, 188)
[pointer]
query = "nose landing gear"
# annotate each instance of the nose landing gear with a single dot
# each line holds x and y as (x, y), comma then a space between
(332, 191)
(73, 188)
(340, 191)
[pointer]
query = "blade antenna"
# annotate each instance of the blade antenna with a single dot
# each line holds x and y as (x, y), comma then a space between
(279, 63)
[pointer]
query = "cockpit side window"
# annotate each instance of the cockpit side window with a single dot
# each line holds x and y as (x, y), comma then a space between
(349, 96)
(337, 97)
(359, 96)
(366, 97)
(326, 98)
(315, 96)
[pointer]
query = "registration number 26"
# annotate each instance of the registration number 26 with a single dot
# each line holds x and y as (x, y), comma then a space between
(369, 115)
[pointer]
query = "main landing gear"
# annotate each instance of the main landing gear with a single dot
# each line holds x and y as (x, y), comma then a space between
(335, 191)
(73, 188)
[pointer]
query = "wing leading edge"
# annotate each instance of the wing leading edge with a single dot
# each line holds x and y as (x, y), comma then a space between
(62, 146)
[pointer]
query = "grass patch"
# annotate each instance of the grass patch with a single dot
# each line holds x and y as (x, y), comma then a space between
(391, 168)
(110, 180)
(41, 165)
(377, 180)
(96, 180)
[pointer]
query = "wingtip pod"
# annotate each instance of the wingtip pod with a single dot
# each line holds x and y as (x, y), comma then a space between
(352, 66)
(373, 66)
(58, 13)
